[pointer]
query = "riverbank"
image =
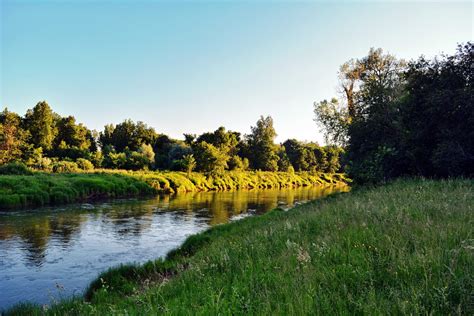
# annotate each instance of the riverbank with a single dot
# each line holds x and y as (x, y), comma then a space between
(40, 189)
(402, 248)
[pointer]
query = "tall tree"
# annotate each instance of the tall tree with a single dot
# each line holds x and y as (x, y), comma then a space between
(127, 134)
(40, 121)
(74, 135)
(209, 158)
(262, 150)
(349, 74)
(12, 137)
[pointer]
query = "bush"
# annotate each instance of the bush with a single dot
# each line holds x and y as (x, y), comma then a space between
(65, 166)
(84, 164)
(15, 168)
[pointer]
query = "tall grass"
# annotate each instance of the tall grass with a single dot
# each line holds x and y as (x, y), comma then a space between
(172, 182)
(38, 189)
(404, 248)
(51, 189)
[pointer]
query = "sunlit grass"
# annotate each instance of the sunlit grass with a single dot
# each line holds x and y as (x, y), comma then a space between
(39, 189)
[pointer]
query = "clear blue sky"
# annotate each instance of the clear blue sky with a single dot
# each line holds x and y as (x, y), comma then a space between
(194, 66)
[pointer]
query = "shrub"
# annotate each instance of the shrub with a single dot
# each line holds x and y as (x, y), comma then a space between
(84, 164)
(65, 166)
(15, 168)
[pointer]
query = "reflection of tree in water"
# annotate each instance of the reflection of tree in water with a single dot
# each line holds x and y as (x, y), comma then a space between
(221, 206)
(130, 218)
(36, 230)
(64, 226)
(35, 239)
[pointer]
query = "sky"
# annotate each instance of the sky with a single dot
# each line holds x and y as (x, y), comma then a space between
(192, 66)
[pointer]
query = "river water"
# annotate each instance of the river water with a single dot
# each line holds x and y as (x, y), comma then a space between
(51, 253)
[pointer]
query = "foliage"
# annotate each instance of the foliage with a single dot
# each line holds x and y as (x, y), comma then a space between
(408, 119)
(333, 120)
(127, 135)
(64, 166)
(262, 152)
(72, 135)
(15, 168)
(45, 141)
(189, 163)
(12, 137)
(84, 164)
(210, 159)
(40, 121)
(51, 189)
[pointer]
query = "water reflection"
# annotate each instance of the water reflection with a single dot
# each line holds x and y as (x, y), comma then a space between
(71, 245)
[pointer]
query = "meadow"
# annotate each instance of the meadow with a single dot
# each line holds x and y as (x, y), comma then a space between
(402, 248)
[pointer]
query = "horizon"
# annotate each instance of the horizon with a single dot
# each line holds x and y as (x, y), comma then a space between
(190, 67)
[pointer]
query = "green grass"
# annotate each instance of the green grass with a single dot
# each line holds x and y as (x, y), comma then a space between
(403, 248)
(51, 189)
(39, 189)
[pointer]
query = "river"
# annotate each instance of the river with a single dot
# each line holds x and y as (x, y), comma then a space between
(52, 253)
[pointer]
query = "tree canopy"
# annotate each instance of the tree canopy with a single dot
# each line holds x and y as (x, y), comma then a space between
(402, 118)
(62, 144)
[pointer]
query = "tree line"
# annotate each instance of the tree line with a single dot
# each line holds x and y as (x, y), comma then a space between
(396, 118)
(44, 140)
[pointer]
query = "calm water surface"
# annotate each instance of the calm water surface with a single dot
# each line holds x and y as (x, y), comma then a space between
(50, 253)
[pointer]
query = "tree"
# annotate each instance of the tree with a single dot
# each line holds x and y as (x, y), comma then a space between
(437, 115)
(147, 152)
(210, 159)
(297, 154)
(333, 154)
(73, 140)
(237, 163)
(284, 162)
(176, 152)
(189, 163)
(349, 74)
(40, 121)
(12, 137)
(262, 150)
(333, 120)
(189, 138)
(127, 135)
(226, 141)
(74, 135)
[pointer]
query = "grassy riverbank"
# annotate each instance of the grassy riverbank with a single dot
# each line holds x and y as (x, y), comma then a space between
(407, 247)
(39, 189)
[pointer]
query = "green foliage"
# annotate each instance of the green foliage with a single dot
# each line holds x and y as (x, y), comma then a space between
(42, 189)
(60, 141)
(209, 158)
(189, 164)
(113, 159)
(407, 119)
(334, 120)
(12, 137)
(136, 161)
(65, 166)
(238, 164)
(262, 152)
(84, 164)
(339, 255)
(72, 135)
(41, 124)
(127, 135)
(15, 168)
